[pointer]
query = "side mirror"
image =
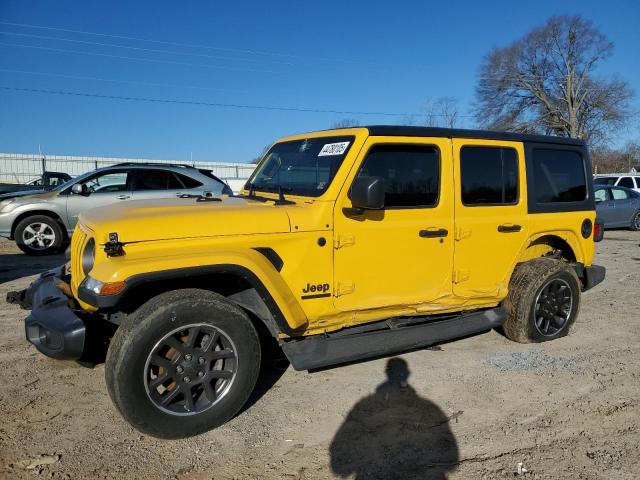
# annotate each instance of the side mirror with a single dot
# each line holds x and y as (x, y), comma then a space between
(80, 189)
(367, 193)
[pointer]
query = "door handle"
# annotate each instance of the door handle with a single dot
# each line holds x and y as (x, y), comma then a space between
(123, 197)
(434, 233)
(509, 228)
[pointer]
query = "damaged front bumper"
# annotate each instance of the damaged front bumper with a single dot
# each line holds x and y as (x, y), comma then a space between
(53, 326)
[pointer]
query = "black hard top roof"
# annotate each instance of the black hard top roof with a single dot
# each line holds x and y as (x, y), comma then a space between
(412, 131)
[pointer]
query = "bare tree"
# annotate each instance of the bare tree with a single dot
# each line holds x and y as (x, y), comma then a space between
(619, 160)
(346, 123)
(545, 83)
(441, 112)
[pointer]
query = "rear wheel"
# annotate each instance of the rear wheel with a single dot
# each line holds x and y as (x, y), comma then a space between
(543, 301)
(185, 362)
(635, 222)
(39, 235)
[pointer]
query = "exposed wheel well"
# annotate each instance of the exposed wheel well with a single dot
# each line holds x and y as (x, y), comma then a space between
(31, 213)
(550, 245)
(230, 285)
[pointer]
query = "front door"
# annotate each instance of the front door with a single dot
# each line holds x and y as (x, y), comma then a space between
(102, 189)
(402, 254)
(491, 215)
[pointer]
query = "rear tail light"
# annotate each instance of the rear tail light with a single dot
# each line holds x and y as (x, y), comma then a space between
(598, 230)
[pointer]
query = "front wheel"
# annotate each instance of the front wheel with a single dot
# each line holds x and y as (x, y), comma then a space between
(39, 235)
(543, 301)
(184, 363)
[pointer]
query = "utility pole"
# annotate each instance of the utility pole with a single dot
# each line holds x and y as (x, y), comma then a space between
(43, 159)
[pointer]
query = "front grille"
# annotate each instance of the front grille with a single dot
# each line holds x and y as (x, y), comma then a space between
(78, 241)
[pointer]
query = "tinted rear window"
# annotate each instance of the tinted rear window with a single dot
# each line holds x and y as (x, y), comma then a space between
(209, 174)
(605, 180)
(626, 182)
(188, 182)
(559, 176)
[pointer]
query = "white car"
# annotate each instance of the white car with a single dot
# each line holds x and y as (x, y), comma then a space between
(627, 180)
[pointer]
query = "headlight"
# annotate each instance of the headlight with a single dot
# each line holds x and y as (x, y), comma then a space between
(93, 285)
(4, 204)
(88, 256)
(102, 288)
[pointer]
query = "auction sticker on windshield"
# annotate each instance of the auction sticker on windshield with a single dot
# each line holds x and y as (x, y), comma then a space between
(333, 149)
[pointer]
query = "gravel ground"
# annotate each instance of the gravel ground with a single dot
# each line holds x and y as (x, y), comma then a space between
(473, 408)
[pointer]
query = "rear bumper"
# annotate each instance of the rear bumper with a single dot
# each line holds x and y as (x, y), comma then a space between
(52, 327)
(593, 275)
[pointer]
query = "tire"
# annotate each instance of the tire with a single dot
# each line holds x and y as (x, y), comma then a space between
(550, 283)
(635, 222)
(39, 235)
(130, 367)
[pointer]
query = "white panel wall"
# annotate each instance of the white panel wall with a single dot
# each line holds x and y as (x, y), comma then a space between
(20, 168)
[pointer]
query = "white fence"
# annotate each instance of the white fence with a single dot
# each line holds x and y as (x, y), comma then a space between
(20, 168)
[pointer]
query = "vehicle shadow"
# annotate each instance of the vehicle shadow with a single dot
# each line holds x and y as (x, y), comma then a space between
(274, 364)
(18, 265)
(395, 434)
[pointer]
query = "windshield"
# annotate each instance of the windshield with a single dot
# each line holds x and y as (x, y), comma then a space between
(73, 180)
(301, 167)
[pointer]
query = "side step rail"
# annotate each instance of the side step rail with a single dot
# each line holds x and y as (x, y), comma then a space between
(342, 347)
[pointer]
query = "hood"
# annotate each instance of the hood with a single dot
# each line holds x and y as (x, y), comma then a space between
(174, 218)
(37, 194)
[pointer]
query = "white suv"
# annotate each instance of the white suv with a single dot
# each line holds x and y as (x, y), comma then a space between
(628, 180)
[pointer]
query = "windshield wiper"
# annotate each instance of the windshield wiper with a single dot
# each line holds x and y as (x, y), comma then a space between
(252, 194)
(281, 200)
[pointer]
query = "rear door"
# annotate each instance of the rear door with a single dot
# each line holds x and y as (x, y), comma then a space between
(491, 221)
(624, 206)
(156, 183)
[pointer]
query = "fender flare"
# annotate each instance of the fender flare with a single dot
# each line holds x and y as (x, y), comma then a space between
(250, 265)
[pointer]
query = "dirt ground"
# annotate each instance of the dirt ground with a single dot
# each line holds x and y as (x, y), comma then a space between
(473, 408)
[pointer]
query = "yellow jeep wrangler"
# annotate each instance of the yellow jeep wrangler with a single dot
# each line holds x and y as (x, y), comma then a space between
(344, 244)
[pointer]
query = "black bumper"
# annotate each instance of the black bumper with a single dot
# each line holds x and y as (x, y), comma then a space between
(593, 275)
(52, 326)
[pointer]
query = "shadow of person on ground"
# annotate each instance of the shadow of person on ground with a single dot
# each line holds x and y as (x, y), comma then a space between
(18, 265)
(394, 434)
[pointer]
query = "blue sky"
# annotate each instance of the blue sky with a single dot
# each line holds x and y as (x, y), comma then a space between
(374, 56)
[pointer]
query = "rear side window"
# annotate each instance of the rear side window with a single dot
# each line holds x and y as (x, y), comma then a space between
(626, 182)
(187, 182)
(411, 173)
(619, 194)
(489, 176)
(209, 174)
(559, 176)
(152, 180)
